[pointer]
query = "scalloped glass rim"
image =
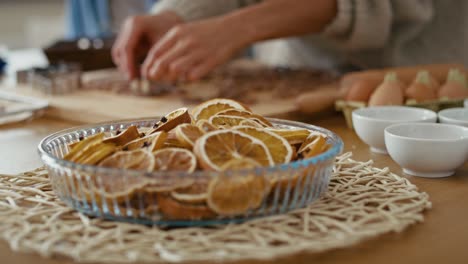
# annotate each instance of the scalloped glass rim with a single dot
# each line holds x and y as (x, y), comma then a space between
(335, 140)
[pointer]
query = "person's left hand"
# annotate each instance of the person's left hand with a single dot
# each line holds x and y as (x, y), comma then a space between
(190, 51)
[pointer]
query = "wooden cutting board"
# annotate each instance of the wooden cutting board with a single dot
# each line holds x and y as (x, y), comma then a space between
(91, 106)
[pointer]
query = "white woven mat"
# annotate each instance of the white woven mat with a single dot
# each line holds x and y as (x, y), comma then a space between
(362, 202)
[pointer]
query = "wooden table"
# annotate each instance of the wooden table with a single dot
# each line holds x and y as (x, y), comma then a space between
(442, 238)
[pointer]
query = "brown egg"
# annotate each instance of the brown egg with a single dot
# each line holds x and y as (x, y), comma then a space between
(455, 87)
(361, 90)
(423, 88)
(389, 92)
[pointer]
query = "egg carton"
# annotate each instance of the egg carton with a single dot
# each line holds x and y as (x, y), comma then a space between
(347, 107)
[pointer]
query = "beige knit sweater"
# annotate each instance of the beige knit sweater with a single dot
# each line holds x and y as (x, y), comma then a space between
(364, 34)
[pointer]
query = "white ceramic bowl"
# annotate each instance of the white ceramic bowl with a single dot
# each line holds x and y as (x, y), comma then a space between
(466, 103)
(456, 116)
(427, 150)
(370, 123)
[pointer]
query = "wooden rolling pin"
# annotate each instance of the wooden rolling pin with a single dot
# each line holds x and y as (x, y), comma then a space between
(325, 98)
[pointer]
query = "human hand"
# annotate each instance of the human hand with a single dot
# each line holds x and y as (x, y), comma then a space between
(190, 51)
(138, 35)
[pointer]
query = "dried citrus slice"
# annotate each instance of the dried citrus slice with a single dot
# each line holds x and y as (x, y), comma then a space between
(290, 183)
(293, 136)
(187, 134)
(193, 194)
(251, 123)
(313, 145)
(216, 148)
(211, 107)
(173, 143)
(150, 142)
(171, 120)
(224, 121)
(122, 138)
(247, 114)
(205, 126)
(237, 194)
(139, 159)
(174, 159)
(110, 187)
(95, 153)
(77, 148)
(175, 210)
(280, 150)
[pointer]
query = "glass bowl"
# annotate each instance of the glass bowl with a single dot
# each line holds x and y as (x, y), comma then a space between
(146, 197)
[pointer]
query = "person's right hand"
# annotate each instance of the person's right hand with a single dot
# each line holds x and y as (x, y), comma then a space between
(137, 36)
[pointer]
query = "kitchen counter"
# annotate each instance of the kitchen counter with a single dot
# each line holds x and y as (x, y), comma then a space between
(442, 238)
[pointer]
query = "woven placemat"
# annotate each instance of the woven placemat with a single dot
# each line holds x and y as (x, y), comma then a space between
(362, 202)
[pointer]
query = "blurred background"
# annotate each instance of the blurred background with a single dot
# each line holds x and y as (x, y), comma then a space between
(38, 33)
(23, 22)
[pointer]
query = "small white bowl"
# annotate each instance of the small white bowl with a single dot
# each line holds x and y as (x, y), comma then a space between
(456, 116)
(370, 123)
(427, 150)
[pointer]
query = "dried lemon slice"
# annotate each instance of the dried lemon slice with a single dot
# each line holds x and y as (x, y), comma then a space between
(135, 160)
(174, 159)
(131, 133)
(280, 150)
(209, 108)
(187, 134)
(247, 114)
(234, 194)
(171, 120)
(293, 136)
(150, 142)
(216, 148)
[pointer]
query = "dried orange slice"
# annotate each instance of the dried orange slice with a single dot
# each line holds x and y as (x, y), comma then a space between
(210, 108)
(234, 194)
(150, 142)
(247, 114)
(95, 153)
(135, 160)
(291, 183)
(224, 121)
(77, 148)
(251, 123)
(193, 194)
(173, 143)
(120, 139)
(205, 126)
(280, 149)
(171, 120)
(174, 159)
(187, 134)
(91, 150)
(216, 148)
(313, 145)
(110, 188)
(175, 210)
(293, 136)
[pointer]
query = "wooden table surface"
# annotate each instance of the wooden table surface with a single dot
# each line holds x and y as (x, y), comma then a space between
(442, 238)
